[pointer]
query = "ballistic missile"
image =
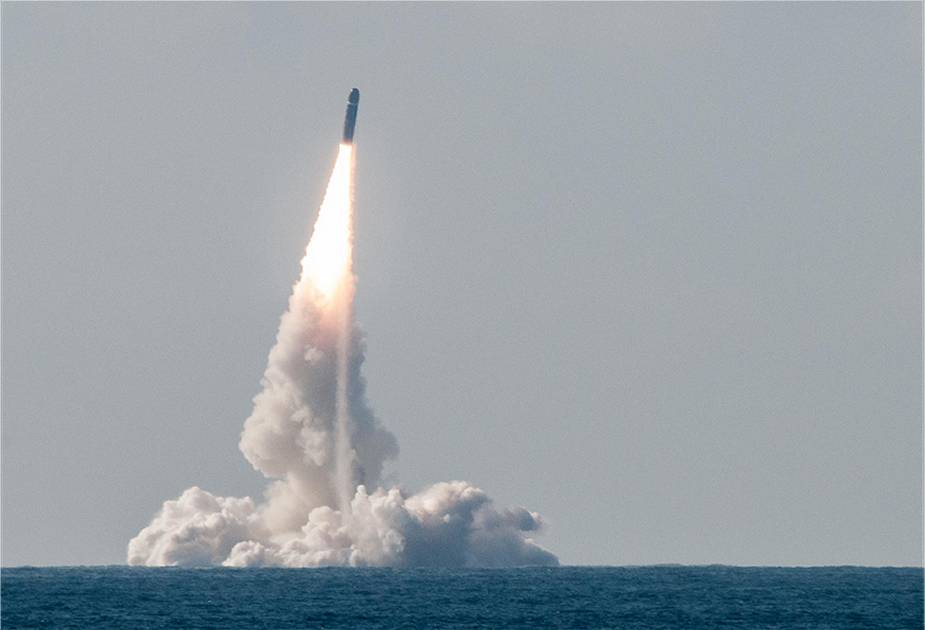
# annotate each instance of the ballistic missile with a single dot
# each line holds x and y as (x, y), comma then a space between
(350, 120)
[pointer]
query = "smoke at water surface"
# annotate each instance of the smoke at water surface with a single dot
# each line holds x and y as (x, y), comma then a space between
(313, 433)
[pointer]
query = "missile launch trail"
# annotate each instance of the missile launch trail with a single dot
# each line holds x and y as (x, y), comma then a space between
(313, 433)
(345, 457)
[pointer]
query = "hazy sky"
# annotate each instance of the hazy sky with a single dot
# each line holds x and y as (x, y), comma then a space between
(654, 271)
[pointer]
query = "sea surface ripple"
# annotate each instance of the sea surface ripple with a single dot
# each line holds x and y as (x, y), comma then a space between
(565, 597)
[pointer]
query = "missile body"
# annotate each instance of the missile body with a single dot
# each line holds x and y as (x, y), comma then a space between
(350, 120)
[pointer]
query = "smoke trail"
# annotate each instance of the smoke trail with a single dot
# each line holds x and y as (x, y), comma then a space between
(343, 452)
(313, 433)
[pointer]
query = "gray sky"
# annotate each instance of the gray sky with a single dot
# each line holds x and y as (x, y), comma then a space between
(654, 271)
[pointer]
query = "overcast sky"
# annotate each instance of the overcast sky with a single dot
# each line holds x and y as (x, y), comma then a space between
(654, 271)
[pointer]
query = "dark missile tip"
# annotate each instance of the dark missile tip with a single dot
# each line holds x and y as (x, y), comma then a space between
(350, 118)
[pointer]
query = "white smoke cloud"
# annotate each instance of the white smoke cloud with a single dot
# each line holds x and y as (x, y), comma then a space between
(313, 432)
(195, 530)
(449, 524)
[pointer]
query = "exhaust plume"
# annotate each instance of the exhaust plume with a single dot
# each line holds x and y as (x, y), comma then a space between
(313, 433)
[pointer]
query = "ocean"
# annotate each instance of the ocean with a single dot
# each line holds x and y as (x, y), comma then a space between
(564, 597)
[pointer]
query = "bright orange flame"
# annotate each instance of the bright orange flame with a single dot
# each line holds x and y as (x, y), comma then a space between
(328, 255)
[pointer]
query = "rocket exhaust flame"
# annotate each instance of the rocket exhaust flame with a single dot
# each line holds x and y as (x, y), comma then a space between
(327, 261)
(312, 431)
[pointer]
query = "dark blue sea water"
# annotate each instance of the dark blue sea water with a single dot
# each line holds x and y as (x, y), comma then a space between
(567, 597)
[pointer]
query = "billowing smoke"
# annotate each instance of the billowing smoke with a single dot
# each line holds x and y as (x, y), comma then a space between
(314, 434)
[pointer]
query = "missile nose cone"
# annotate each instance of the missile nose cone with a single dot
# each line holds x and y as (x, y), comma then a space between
(350, 120)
